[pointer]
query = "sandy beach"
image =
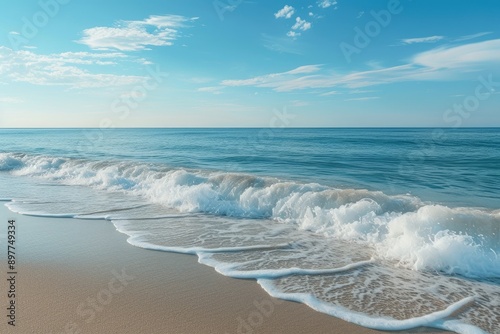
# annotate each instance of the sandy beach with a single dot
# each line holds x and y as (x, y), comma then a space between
(81, 276)
(246, 167)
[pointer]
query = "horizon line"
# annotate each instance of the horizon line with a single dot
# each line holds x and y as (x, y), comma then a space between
(249, 127)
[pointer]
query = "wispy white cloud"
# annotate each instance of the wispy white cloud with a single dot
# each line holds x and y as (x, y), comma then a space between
(284, 81)
(305, 69)
(285, 12)
(144, 61)
(468, 56)
(374, 64)
(212, 89)
(11, 100)
(63, 69)
(136, 35)
(360, 14)
(439, 64)
(469, 37)
(360, 91)
(433, 39)
(298, 103)
(364, 98)
(333, 92)
(327, 3)
(430, 39)
(280, 44)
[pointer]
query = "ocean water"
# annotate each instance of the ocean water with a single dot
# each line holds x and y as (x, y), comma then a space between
(391, 229)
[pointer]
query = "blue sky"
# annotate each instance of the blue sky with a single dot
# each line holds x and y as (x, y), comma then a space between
(172, 63)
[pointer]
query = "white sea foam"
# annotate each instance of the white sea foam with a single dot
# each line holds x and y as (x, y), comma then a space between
(433, 319)
(329, 277)
(361, 255)
(462, 241)
(232, 270)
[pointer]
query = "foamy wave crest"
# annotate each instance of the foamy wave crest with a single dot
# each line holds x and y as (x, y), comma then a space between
(420, 236)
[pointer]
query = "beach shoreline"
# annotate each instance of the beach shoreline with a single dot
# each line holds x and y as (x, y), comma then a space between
(81, 276)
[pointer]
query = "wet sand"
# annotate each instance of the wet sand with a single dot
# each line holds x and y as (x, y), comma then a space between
(81, 276)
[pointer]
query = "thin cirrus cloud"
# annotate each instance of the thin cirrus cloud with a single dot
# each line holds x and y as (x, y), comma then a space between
(284, 81)
(211, 89)
(469, 56)
(333, 92)
(433, 39)
(285, 12)
(280, 44)
(136, 35)
(439, 64)
(468, 37)
(63, 69)
(11, 100)
(367, 98)
(430, 39)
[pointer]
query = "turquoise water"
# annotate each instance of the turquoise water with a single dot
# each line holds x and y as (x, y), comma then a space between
(455, 166)
(346, 221)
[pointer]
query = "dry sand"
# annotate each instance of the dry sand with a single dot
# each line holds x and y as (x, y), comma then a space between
(81, 276)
